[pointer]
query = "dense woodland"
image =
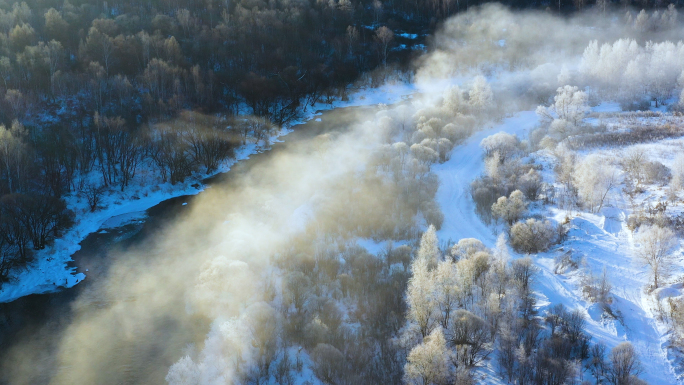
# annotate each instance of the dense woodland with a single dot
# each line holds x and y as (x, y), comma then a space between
(87, 86)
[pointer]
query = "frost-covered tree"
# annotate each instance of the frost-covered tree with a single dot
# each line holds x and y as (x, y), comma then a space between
(510, 209)
(570, 105)
(428, 363)
(680, 103)
(424, 154)
(564, 77)
(642, 21)
(183, 372)
(447, 291)
(420, 297)
(222, 275)
(633, 163)
(421, 290)
(533, 236)
(630, 72)
(466, 248)
(444, 147)
(429, 247)
(384, 36)
(453, 103)
(263, 326)
(663, 68)
(500, 251)
(505, 144)
(481, 96)
(594, 178)
(655, 249)
(560, 129)
(401, 151)
(669, 17)
(677, 181)
(499, 268)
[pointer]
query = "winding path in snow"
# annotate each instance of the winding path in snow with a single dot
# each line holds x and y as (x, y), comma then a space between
(455, 175)
(603, 244)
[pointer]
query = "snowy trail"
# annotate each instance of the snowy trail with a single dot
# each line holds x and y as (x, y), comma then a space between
(455, 175)
(603, 241)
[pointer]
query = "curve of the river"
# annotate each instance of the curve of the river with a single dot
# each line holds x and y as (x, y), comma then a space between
(32, 327)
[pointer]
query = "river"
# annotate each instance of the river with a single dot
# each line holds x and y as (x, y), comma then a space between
(34, 329)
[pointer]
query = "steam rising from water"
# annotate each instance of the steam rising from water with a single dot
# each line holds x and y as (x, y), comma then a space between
(212, 270)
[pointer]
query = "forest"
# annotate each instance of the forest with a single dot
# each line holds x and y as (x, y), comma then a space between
(89, 89)
(86, 86)
(535, 138)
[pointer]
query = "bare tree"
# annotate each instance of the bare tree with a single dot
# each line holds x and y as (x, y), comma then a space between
(384, 36)
(329, 363)
(602, 5)
(118, 150)
(656, 245)
(352, 37)
(471, 337)
(13, 155)
(209, 143)
(93, 196)
(523, 271)
(506, 353)
(625, 365)
(597, 361)
(41, 217)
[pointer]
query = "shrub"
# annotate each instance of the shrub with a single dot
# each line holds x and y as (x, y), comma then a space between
(506, 145)
(656, 172)
(456, 134)
(533, 236)
(510, 209)
(466, 248)
(485, 192)
(432, 213)
(530, 184)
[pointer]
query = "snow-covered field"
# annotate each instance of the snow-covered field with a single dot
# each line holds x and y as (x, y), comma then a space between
(49, 271)
(603, 240)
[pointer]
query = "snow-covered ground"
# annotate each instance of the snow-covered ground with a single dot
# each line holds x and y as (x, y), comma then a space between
(49, 271)
(603, 240)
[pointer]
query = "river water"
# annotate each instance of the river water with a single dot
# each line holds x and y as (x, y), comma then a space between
(37, 341)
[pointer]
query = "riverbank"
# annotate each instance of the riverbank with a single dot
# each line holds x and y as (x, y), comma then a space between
(51, 269)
